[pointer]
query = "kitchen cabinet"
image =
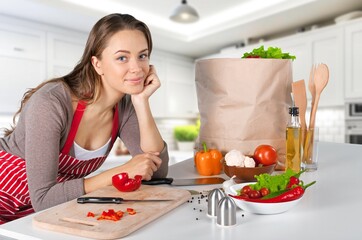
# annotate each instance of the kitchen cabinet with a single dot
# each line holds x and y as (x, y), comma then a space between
(64, 51)
(327, 47)
(158, 100)
(301, 48)
(353, 56)
(21, 42)
(176, 98)
(31, 54)
(22, 61)
(181, 88)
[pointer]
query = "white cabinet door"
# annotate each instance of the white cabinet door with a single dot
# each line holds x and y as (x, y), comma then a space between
(158, 101)
(299, 47)
(327, 47)
(181, 87)
(64, 51)
(17, 75)
(21, 42)
(353, 48)
(177, 95)
(22, 61)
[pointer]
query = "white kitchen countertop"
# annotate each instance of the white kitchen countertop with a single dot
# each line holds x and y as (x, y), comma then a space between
(330, 209)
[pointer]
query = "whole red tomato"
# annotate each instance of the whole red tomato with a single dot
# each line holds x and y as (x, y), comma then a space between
(265, 154)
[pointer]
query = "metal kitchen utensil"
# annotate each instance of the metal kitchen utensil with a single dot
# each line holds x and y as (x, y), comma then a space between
(213, 200)
(185, 182)
(116, 200)
(226, 212)
(321, 77)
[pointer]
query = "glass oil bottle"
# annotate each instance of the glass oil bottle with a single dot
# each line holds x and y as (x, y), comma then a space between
(293, 141)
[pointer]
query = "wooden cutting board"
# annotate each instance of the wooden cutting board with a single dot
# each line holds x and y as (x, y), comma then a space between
(71, 217)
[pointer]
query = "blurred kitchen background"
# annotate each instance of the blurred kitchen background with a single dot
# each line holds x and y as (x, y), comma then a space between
(40, 39)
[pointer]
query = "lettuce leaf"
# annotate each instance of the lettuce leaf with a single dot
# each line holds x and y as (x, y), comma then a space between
(271, 52)
(274, 183)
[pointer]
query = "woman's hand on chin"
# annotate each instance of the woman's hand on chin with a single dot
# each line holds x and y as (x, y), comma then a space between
(151, 84)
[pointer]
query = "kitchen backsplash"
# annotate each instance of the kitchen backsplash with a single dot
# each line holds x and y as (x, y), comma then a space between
(329, 120)
(331, 123)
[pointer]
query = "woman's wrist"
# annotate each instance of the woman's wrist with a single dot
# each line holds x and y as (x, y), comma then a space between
(139, 101)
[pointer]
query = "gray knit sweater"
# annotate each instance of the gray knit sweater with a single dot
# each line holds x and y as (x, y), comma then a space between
(40, 134)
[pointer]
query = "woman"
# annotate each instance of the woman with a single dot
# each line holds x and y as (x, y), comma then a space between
(68, 125)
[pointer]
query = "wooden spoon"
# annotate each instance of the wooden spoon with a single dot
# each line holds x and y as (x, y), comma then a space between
(321, 78)
(317, 82)
(311, 85)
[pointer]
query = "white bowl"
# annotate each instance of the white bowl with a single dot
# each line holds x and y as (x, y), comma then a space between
(260, 208)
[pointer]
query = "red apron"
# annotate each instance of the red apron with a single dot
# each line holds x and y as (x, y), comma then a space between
(14, 193)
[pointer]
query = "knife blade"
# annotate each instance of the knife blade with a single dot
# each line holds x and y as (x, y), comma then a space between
(116, 200)
(185, 182)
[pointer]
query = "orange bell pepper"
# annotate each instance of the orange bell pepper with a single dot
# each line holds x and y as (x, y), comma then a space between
(208, 161)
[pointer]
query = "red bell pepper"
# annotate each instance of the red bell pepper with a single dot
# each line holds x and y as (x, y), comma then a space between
(125, 184)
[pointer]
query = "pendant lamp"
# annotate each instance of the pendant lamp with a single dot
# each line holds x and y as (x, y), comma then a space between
(184, 13)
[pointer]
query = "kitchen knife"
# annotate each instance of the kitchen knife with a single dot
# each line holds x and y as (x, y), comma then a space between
(185, 182)
(116, 200)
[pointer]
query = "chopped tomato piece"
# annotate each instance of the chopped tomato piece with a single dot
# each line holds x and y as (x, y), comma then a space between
(132, 213)
(120, 213)
(110, 214)
(90, 214)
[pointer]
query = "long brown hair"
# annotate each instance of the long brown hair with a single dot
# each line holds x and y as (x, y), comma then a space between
(83, 81)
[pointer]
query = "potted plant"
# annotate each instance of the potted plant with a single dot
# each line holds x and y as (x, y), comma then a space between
(185, 136)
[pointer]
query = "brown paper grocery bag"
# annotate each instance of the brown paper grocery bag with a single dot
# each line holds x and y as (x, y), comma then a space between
(244, 103)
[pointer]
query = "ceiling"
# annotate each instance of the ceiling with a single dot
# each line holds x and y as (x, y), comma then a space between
(222, 23)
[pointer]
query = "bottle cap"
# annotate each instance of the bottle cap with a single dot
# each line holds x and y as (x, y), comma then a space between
(294, 111)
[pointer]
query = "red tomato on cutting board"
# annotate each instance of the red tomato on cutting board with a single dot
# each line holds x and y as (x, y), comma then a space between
(265, 154)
